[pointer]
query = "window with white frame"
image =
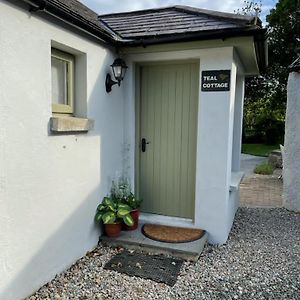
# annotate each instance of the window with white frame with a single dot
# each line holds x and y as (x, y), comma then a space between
(62, 73)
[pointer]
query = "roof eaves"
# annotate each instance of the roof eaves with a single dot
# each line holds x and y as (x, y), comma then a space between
(63, 13)
(261, 49)
(192, 36)
(259, 35)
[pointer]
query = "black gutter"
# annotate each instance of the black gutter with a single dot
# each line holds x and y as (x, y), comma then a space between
(71, 18)
(261, 49)
(190, 36)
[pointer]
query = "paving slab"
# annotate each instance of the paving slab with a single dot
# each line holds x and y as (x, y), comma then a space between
(137, 241)
(263, 191)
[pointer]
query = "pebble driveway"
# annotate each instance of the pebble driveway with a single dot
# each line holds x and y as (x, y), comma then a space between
(261, 260)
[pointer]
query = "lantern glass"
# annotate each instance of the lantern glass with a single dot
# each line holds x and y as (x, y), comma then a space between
(119, 69)
(117, 72)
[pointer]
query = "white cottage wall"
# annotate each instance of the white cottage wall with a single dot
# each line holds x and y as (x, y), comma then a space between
(291, 159)
(234, 194)
(214, 140)
(50, 184)
(238, 123)
(215, 132)
(237, 119)
(238, 114)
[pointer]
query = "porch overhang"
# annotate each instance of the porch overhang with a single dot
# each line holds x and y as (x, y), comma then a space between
(259, 41)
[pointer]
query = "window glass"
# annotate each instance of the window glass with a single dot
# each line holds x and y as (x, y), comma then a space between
(62, 77)
(59, 70)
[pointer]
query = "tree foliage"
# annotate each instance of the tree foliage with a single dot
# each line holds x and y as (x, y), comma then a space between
(265, 98)
(250, 8)
(284, 45)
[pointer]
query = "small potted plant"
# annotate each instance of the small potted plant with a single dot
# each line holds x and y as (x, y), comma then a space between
(135, 204)
(121, 191)
(112, 213)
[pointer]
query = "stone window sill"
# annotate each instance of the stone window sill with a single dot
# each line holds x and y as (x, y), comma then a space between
(70, 124)
(236, 178)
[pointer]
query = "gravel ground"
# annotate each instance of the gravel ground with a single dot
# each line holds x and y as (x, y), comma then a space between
(261, 260)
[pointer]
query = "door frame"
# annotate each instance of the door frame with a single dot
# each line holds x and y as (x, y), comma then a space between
(137, 78)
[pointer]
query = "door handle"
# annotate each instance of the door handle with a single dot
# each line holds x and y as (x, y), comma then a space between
(144, 143)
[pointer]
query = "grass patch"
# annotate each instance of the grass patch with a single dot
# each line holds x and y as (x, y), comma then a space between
(264, 169)
(258, 149)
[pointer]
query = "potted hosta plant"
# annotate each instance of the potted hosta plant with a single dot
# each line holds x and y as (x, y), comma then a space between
(121, 191)
(135, 204)
(112, 213)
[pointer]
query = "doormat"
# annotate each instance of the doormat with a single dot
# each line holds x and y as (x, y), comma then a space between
(170, 234)
(158, 268)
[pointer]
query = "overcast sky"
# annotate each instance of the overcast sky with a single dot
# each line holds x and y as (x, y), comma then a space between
(109, 6)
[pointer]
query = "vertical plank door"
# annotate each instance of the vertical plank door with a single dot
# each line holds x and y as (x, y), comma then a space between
(168, 124)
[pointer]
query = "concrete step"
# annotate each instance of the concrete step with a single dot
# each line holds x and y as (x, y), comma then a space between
(135, 240)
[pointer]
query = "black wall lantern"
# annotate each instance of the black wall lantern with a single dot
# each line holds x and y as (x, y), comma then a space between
(119, 69)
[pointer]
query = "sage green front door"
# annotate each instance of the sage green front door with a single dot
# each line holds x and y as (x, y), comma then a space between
(167, 129)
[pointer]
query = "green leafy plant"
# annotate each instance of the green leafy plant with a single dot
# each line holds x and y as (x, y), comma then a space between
(264, 169)
(132, 201)
(111, 211)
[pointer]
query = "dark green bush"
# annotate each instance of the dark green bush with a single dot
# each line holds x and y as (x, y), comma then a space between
(262, 124)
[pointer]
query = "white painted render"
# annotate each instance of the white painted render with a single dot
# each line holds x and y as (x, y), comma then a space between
(50, 185)
(291, 162)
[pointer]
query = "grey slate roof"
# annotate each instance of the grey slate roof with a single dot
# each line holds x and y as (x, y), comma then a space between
(78, 9)
(74, 12)
(176, 20)
(295, 66)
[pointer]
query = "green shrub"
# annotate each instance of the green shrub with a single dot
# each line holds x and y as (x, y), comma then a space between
(263, 123)
(264, 169)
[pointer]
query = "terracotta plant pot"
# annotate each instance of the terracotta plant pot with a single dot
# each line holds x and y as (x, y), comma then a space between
(113, 230)
(135, 216)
